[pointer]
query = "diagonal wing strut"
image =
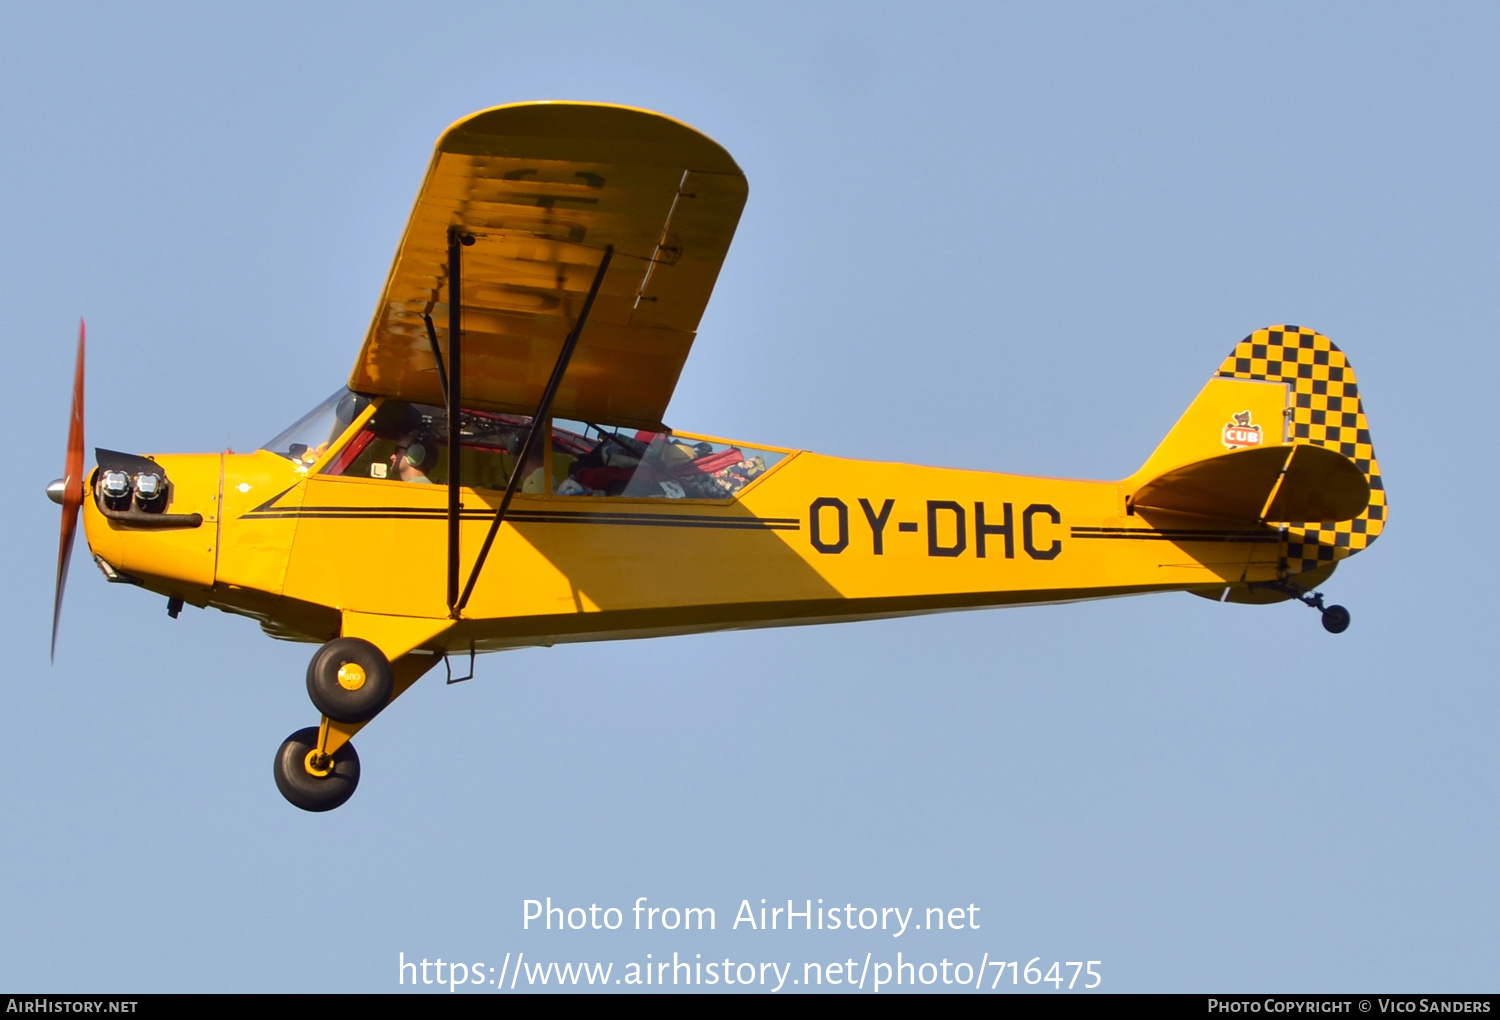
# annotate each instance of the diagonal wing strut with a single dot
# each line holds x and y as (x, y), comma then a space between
(437, 355)
(538, 424)
(457, 240)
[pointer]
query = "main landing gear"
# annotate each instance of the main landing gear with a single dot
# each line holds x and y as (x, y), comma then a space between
(349, 680)
(312, 780)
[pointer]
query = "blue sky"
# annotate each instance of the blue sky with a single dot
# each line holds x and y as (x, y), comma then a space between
(1006, 237)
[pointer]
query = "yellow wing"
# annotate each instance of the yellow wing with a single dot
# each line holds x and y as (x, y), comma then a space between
(544, 188)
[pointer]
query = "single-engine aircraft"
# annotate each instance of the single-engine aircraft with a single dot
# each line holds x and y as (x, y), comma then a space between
(496, 472)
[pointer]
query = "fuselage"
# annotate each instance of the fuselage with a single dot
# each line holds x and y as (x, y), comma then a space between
(812, 539)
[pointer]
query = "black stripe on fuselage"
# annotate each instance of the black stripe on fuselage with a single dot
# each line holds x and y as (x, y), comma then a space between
(1175, 535)
(619, 518)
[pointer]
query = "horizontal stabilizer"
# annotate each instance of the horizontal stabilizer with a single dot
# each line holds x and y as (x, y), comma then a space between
(1273, 483)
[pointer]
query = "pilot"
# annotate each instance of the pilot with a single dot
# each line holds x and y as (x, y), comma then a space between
(413, 457)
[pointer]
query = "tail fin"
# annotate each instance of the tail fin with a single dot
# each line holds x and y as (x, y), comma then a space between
(1279, 431)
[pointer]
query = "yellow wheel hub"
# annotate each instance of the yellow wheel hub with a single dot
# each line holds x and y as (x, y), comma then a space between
(351, 676)
(320, 765)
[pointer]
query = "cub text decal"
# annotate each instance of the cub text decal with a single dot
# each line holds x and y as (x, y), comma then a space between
(1240, 432)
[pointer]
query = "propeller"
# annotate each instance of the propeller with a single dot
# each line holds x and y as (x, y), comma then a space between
(68, 490)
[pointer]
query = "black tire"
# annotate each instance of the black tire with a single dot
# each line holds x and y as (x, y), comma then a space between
(332, 698)
(305, 790)
(1335, 619)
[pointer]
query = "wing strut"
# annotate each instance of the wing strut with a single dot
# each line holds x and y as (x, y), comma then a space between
(457, 240)
(437, 356)
(523, 457)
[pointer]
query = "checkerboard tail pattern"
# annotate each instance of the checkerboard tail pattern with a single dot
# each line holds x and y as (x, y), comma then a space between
(1326, 411)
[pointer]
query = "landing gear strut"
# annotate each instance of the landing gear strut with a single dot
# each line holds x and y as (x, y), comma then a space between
(349, 680)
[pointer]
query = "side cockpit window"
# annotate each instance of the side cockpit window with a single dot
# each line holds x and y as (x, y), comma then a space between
(405, 442)
(595, 460)
(408, 443)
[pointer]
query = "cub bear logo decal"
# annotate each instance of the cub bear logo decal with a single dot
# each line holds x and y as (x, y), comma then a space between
(1240, 432)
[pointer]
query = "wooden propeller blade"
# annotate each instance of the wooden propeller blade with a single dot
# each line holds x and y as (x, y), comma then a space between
(72, 488)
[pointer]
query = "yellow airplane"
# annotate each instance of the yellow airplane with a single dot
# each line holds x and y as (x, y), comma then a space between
(539, 311)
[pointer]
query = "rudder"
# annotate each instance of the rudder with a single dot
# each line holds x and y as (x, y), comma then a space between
(1326, 410)
(1283, 387)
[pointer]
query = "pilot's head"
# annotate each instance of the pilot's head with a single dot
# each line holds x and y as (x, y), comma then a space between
(413, 457)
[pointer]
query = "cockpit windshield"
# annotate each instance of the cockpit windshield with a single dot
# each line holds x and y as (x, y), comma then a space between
(309, 436)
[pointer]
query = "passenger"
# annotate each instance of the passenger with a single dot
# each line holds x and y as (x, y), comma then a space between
(533, 480)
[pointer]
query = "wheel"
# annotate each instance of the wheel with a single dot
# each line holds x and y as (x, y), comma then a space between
(304, 788)
(1335, 619)
(349, 680)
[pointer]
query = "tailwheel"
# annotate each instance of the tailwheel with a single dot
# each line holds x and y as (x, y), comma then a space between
(1335, 619)
(314, 781)
(349, 680)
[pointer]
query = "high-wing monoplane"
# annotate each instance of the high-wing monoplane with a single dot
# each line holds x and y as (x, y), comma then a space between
(496, 472)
